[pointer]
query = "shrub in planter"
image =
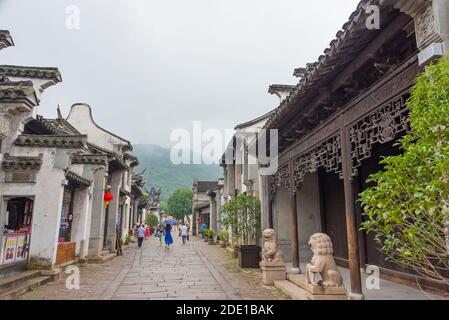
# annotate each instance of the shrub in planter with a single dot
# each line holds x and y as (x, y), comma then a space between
(224, 238)
(206, 235)
(210, 237)
(242, 214)
(249, 256)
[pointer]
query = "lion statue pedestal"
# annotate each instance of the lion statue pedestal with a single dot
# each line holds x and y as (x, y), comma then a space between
(272, 264)
(330, 285)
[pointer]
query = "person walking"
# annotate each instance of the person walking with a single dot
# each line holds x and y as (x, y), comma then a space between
(203, 229)
(168, 237)
(188, 232)
(160, 234)
(184, 233)
(147, 232)
(140, 235)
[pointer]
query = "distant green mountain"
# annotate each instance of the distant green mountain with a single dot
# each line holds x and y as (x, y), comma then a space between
(161, 173)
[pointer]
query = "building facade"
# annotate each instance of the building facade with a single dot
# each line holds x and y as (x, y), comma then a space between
(346, 113)
(54, 174)
(204, 208)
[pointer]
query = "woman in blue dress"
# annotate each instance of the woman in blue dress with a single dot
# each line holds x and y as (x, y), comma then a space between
(168, 237)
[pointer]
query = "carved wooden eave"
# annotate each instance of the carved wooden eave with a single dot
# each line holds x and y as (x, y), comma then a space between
(139, 180)
(5, 39)
(133, 161)
(211, 193)
(52, 141)
(90, 159)
(11, 163)
(136, 191)
(377, 117)
(280, 90)
(344, 48)
(409, 7)
(329, 84)
(51, 76)
(94, 149)
(299, 72)
(124, 192)
(57, 126)
(117, 163)
(77, 179)
(15, 93)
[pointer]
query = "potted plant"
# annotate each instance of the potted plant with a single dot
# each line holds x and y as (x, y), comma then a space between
(242, 214)
(210, 237)
(224, 238)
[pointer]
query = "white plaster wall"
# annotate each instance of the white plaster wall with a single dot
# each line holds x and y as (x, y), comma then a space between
(80, 118)
(47, 193)
(127, 211)
(81, 221)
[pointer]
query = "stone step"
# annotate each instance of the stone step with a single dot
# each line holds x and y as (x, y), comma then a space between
(16, 279)
(101, 259)
(24, 287)
(291, 289)
(297, 279)
(317, 292)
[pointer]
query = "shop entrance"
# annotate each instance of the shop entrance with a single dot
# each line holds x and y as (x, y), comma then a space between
(66, 248)
(16, 235)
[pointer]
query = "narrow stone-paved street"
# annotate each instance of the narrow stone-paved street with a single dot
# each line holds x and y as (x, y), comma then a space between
(193, 271)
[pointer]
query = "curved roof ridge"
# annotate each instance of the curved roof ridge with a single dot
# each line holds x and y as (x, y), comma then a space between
(99, 127)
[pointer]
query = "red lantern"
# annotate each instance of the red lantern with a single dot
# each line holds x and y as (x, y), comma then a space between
(108, 196)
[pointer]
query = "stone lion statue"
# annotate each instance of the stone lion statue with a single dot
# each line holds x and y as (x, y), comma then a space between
(323, 263)
(271, 253)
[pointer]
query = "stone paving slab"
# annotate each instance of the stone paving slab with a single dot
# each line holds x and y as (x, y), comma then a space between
(195, 271)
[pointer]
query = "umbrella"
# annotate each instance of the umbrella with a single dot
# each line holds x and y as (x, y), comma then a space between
(170, 221)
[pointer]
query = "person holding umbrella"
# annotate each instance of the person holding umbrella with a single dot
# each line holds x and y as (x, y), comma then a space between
(168, 237)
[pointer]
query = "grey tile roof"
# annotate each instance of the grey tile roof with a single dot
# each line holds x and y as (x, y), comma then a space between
(5, 39)
(204, 186)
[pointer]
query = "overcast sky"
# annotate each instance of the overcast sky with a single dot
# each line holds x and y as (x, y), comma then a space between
(147, 67)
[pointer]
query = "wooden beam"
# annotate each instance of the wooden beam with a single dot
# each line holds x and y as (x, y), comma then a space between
(294, 234)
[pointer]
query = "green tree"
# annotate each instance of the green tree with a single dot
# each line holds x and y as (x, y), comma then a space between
(180, 203)
(163, 206)
(408, 205)
(151, 220)
(242, 214)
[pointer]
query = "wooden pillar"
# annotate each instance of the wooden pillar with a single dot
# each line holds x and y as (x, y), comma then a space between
(194, 224)
(294, 234)
(353, 244)
(270, 214)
